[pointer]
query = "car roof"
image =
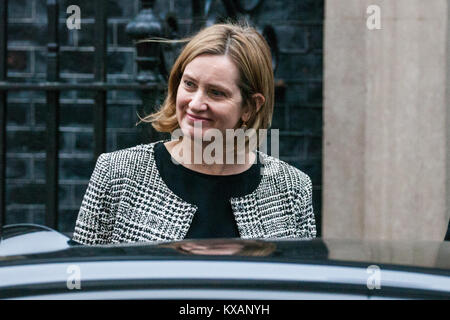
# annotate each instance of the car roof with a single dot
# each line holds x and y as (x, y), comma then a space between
(31, 243)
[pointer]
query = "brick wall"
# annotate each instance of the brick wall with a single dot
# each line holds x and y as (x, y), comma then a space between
(298, 110)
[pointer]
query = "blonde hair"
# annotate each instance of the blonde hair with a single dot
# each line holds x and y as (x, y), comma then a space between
(251, 54)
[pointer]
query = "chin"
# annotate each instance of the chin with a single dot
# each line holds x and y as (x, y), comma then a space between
(188, 131)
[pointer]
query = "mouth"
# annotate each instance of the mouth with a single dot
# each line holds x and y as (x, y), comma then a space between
(196, 118)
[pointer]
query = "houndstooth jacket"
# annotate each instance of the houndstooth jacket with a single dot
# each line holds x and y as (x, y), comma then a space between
(127, 201)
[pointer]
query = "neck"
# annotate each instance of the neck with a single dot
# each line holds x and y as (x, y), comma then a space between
(205, 157)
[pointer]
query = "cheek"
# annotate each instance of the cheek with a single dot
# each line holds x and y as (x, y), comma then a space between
(178, 97)
(178, 105)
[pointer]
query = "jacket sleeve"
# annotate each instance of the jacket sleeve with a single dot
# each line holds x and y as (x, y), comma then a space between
(94, 223)
(304, 213)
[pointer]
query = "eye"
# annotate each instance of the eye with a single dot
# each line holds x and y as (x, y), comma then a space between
(189, 84)
(217, 93)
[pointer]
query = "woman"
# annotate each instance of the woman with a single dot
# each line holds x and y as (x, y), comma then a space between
(222, 81)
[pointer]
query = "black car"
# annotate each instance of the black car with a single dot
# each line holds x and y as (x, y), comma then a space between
(39, 263)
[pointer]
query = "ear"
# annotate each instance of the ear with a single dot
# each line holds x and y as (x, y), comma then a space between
(257, 101)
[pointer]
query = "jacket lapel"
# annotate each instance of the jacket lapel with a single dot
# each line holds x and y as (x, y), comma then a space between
(250, 209)
(267, 212)
(153, 212)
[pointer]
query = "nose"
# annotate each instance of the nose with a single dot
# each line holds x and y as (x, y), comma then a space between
(198, 101)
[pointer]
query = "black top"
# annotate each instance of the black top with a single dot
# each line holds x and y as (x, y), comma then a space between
(210, 193)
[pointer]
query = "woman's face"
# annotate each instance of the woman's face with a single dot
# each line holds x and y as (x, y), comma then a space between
(208, 94)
